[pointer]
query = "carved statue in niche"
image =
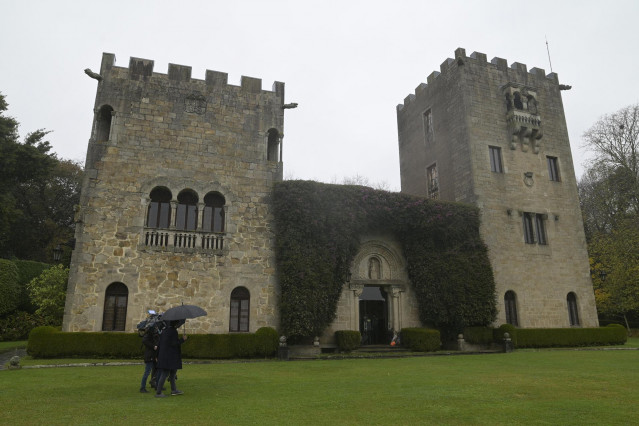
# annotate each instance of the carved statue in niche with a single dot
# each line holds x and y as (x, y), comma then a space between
(374, 269)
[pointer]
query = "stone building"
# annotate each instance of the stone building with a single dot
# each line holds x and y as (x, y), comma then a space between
(175, 202)
(495, 136)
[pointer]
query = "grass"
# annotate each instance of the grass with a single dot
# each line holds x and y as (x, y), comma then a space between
(9, 346)
(524, 387)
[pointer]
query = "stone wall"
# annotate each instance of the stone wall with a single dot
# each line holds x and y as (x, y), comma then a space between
(179, 133)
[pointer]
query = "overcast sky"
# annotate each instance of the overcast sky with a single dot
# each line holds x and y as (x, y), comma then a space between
(346, 63)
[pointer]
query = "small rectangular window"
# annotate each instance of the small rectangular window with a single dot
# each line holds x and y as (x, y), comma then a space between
(495, 159)
(553, 169)
(428, 125)
(529, 235)
(541, 229)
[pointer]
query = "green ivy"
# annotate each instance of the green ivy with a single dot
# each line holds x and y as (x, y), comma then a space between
(318, 227)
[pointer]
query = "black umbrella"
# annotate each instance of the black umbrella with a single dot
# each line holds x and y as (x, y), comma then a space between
(183, 312)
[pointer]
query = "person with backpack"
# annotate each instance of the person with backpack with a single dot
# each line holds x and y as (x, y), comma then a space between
(150, 341)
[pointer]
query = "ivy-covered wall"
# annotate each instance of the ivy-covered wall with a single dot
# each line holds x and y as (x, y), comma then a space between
(317, 236)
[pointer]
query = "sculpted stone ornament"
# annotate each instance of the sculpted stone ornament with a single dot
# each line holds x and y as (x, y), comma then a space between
(92, 74)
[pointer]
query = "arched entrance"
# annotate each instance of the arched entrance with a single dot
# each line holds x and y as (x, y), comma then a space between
(373, 316)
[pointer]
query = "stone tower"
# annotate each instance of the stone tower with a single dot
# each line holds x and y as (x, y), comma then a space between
(175, 203)
(485, 133)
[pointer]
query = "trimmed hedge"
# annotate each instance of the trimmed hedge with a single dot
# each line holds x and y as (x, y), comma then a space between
(48, 342)
(421, 339)
(348, 340)
(613, 334)
(479, 335)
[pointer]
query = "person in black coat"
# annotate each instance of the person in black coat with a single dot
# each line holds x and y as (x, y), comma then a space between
(150, 340)
(169, 358)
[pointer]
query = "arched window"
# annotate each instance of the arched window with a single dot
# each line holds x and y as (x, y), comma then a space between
(573, 312)
(186, 219)
(510, 302)
(240, 303)
(273, 146)
(213, 220)
(159, 213)
(115, 302)
(103, 124)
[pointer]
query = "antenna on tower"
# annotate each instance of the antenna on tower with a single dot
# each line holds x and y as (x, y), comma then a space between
(548, 50)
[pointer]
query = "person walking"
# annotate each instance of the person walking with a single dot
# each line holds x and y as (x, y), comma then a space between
(169, 358)
(150, 340)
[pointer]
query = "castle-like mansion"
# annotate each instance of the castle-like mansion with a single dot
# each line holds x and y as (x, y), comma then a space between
(179, 171)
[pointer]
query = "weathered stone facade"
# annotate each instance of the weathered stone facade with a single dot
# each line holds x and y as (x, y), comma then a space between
(484, 133)
(186, 139)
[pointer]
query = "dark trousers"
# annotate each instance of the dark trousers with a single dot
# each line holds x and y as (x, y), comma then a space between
(163, 375)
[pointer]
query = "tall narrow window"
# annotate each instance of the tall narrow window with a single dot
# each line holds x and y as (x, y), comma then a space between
(573, 313)
(540, 229)
(529, 234)
(103, 124)
(273, 146)
(553, 169)
(115, 303)
(432, 179)
(159, 213)
(213, 220)
(534, 228)
(428, 125)
(240, 304)
(495, 159)
(510, 305)
(186, 211)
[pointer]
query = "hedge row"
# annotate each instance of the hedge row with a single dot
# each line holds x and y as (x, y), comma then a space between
(613, 334)
(348, 340)
(48, 342)
(421, 339)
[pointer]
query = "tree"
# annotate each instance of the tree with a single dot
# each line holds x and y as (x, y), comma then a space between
(614, 139)
(615, 267)
(37, 193)
(609, 197)
(48, 292)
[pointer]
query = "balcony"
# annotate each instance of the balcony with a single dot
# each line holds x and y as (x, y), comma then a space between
(179, 241)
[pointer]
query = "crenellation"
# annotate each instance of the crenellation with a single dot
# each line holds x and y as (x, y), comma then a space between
(517, 66)
(479, 57)
(431, 78)
(179, 72)
(500, 63)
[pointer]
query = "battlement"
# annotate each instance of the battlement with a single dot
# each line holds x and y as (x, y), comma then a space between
(476, 59)
(142, 69)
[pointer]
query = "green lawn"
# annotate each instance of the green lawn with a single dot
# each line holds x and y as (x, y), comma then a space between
(524, 387)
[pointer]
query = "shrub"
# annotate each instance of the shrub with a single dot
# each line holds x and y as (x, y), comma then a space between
(48, 292)
(421, 339)
(613, 334)
(348, 340)
(479, 335)
(9, 287)
(49, 342)
(28, 270)
(18, 325)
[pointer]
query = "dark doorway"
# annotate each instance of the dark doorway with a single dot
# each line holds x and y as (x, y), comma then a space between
(373, 316)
